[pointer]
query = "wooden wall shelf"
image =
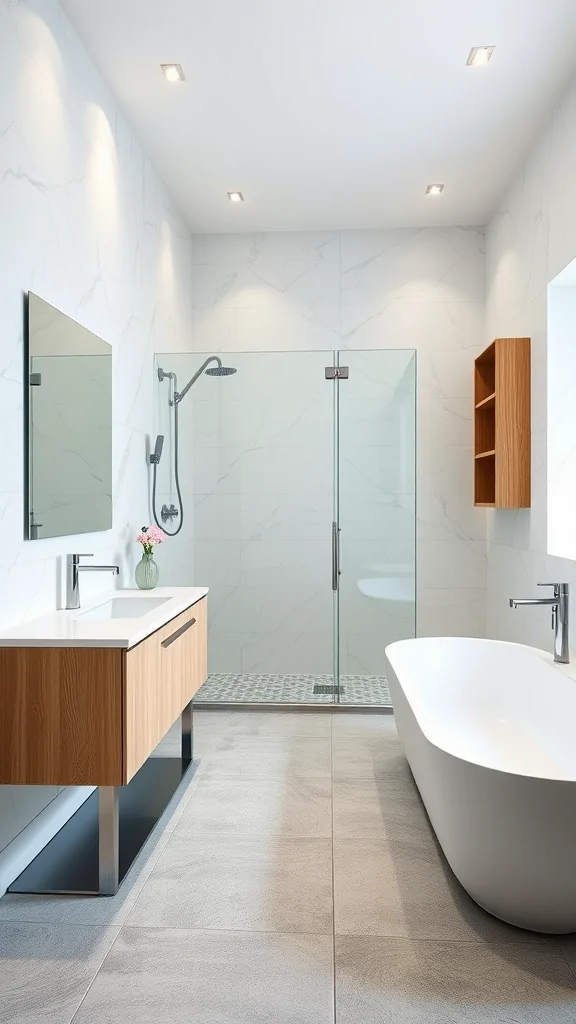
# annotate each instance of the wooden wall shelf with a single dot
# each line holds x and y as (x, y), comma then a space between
(502, 425)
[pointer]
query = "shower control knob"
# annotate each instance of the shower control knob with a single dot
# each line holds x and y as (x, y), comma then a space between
(168, 513)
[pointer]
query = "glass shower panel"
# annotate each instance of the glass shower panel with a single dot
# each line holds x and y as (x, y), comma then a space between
(377, 517)
(256, 470)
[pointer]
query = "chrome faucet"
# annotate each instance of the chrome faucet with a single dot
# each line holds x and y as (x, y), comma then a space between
(73, 567)
(560, 620)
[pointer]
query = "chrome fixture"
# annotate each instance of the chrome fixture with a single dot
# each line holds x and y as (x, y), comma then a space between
(235, 197)
(170, 512)
(211, 371)
(434, 190)
(73, 567)
(156, 455)
(560, 604)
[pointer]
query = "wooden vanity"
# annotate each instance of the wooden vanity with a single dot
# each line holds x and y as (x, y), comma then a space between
(78, 714)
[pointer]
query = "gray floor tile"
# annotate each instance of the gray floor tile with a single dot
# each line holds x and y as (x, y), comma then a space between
(87, 910)
(285, 723)
(274, 884)
(46, 970)
(373, 754)
(401, 889)
(293, 807)
(354, 723)
(387, 981)
(253, 757)
(216, 721)
(369, 808)
(182, 977)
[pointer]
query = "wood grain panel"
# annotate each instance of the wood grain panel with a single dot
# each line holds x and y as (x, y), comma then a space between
(61, 720)
(160, 681)
(502, 424)
(513, 423)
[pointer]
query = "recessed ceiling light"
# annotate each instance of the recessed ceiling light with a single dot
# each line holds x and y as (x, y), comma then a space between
(434, 190)
(173, 72)
(235, 197)
(480, 56)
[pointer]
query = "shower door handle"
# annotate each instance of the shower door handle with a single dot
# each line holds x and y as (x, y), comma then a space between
(335, 555)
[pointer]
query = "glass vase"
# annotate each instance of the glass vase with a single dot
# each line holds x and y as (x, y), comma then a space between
(146, 574)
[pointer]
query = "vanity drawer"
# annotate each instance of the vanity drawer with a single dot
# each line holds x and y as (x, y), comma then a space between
(161, 675)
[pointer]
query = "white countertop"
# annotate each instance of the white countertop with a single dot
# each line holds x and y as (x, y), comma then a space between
(69, 629)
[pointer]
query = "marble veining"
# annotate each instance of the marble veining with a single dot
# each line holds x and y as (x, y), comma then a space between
(530, 239)
(258, 476)
(88, 226)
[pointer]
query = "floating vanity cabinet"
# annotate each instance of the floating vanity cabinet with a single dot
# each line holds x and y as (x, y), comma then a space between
(88, 703)
(502, 425)
(161, 676)
(90, 716)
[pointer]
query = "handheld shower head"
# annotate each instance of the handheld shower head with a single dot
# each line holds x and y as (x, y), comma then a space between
(157, 453)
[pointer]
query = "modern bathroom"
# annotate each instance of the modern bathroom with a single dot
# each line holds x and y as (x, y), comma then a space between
(287, 649)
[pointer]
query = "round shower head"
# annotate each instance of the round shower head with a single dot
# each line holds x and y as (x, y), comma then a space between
(220, 371)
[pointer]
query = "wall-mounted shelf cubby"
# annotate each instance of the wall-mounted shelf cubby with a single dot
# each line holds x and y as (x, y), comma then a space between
(502, 425)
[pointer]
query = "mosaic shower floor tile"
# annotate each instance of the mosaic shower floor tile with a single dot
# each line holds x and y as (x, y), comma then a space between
(231, 688)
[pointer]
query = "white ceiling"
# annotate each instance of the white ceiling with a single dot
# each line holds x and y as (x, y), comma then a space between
(332, 113)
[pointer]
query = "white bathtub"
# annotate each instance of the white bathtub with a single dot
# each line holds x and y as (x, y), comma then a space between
(489, 730)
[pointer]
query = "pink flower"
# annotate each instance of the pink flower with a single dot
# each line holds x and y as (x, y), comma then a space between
(150, 535)
(155, 535)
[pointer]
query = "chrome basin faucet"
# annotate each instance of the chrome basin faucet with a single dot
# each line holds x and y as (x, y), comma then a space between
(73, 568)
(560, 616)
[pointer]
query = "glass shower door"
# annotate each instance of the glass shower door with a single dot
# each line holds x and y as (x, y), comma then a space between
(377, 517)
(257, 466)
(289, 470)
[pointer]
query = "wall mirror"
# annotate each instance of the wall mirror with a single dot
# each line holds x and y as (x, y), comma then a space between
(69, 415)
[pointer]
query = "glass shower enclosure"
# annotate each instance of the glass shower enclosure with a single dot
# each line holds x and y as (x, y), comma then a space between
(296, 506)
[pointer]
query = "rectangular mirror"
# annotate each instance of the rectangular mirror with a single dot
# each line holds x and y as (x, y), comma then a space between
(69, 387)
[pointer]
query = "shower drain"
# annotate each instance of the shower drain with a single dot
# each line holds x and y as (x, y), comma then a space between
(325, 688)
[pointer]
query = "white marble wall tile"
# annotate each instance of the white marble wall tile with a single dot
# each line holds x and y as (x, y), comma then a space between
(87, 225)
(400, 290)
(448, 516)
(413, 265)
(217, 562)
(530, 239)
(257, 422)
(309, 653)
(297, 516)
(273, 608)
(286, 563)
(450, 612)
(448, 564)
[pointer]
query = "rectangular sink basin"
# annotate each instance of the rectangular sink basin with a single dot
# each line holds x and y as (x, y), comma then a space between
(123, 608)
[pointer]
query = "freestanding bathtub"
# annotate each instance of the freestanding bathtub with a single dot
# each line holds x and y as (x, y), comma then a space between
(489, 730)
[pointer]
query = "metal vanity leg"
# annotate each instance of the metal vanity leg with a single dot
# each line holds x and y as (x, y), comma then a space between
(187, 737)
(108, 840)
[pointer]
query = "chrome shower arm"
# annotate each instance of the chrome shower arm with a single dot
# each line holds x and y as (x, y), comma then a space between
(179, 395)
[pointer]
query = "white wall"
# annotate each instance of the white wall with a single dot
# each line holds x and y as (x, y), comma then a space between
(398, 289)
(530, 240)
(86, 224)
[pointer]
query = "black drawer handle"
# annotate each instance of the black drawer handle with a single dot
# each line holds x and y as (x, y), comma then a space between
(174, 636)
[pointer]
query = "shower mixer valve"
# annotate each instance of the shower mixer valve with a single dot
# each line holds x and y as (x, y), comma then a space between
(168, 512)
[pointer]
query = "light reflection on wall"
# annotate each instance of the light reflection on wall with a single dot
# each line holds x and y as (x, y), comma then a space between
(42, 89)
(102, 185)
